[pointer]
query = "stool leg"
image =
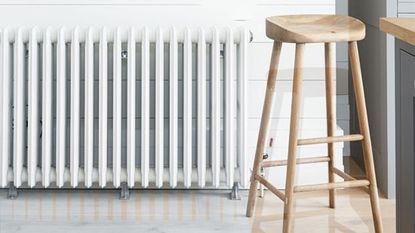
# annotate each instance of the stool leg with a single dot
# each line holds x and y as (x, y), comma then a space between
(292, 147)
(364, 128)
(331, 117)
(266, 113)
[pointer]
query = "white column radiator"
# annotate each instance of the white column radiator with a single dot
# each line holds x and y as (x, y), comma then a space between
(98, 107)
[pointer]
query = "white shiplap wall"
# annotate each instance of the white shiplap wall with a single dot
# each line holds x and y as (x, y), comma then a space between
(195, 13)
(406, 8)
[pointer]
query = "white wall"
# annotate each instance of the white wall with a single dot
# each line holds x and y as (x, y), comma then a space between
(195, 13)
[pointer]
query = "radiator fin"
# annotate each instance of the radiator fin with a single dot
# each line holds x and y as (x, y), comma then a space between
(46, 108)
(159, 105)
(89, 108)
(103, 108)
(116, 155)
(131, 95)
(201, 108)
(216, 104)
(229, 108)
(33, 112)
(60, 109)
(5, 107)
(243, 108)
(173, 144)
(19, 109)
(75, 109)
(187, 108)
(145, 109)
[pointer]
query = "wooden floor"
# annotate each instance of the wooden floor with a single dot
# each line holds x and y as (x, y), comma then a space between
(352, 213)
(185, 211)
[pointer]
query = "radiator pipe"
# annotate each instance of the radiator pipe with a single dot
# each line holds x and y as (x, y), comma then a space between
(237, 32)
(152, 177)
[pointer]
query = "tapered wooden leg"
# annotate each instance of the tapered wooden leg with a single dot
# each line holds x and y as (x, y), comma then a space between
(292, 147)
(263, 131)
(331, 117)
(364, 128)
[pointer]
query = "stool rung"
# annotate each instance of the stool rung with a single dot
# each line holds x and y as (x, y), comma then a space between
(345, 138)
(343, 174)
(276, 163)
(345, 184)
(270, 187)
(348, 177)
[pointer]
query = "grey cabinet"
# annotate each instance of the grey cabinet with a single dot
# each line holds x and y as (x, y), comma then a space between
(405, 140)
(378, 69)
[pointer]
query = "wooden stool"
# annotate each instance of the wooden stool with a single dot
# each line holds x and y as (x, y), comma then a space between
(301, 29)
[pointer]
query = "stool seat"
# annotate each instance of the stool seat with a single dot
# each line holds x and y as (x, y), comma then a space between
(314, 28)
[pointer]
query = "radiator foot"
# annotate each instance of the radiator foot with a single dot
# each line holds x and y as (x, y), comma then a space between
(12, 192)
(235, 194)
(125, 192)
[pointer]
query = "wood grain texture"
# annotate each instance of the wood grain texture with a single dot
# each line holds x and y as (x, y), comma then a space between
(270, 187)
(331, 116)
(275, 163)
(364, 128)
(314, 28)
(343, 174)
(331, 186)
(402, 28)
(292, 144)
(330, 139)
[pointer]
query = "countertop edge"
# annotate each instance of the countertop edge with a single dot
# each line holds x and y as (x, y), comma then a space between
(400, 32)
